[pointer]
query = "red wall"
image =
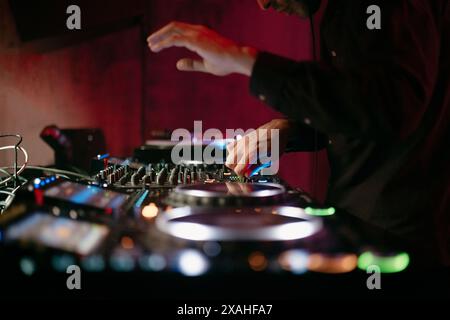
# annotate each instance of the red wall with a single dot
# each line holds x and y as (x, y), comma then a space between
(95, 84)
(99, 83)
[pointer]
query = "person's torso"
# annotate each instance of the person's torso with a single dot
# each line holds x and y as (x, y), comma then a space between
(398, 185)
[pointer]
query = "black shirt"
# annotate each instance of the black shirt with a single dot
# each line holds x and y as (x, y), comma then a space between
(381, 101)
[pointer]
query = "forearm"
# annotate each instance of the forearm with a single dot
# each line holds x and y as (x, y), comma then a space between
(379, 101)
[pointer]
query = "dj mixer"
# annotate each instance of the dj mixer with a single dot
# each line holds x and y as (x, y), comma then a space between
(190, 220)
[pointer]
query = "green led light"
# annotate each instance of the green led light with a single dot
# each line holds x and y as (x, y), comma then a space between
(389, 264)
(318, 212)
(27, 266)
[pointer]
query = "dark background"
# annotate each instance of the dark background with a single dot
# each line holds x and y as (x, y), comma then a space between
(104, 75)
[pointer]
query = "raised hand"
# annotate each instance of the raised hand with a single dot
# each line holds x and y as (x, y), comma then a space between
(218, 55)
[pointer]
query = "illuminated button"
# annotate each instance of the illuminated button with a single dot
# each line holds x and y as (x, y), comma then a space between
(150, 211)
(56, 211)
(262, 97)
(212, 249)
(192, 263)
(386, 264)
(295, 261)
(320, 212)
(332, 264)
(27, 266)
(121, 262)
(257, 261)
(333, 54)
(73, 214)
(307, 121)
(61, 262)
(127, 243)
(154, 262)
(93, 264)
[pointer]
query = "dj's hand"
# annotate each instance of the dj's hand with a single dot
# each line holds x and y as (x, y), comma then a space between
(238, 189)
(243, 154)
(220, 56)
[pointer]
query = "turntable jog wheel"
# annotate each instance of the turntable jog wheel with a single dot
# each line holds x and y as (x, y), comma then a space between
(228, 194)
(277, 223)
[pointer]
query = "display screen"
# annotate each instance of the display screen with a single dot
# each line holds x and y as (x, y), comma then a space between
(87, 195)
(59, 233)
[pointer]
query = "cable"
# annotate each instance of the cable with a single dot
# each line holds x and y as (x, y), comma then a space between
(18, 136)
(22, 168)
(61, 172)
(11, 192)
(10, 175)
(15, 176)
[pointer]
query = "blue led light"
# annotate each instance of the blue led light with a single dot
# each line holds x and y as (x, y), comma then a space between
(122, 263)
(102, 156)
(93, 264)
(61, 262)
(221, 145)
(141, 199)
(84, 196)
(117, 202)
(260, 168)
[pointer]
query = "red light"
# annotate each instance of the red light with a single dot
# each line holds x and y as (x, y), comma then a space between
(39, 197)
(109, 211)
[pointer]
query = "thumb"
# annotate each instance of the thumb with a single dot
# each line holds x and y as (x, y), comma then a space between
(187, 64)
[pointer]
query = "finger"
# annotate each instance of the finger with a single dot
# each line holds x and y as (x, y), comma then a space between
(246, 145)
(163, 33)
(244, 188)
(231, 146)
(249, 171)
(174, 27)
(239, 154)
(191, 65)
(175, 40)
(231, 161)
(232, 188)
(248, 158)
(245, 167)
(241, 168)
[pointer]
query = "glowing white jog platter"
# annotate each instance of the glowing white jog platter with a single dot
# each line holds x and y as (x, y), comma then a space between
(273, 223)
(228, 194)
